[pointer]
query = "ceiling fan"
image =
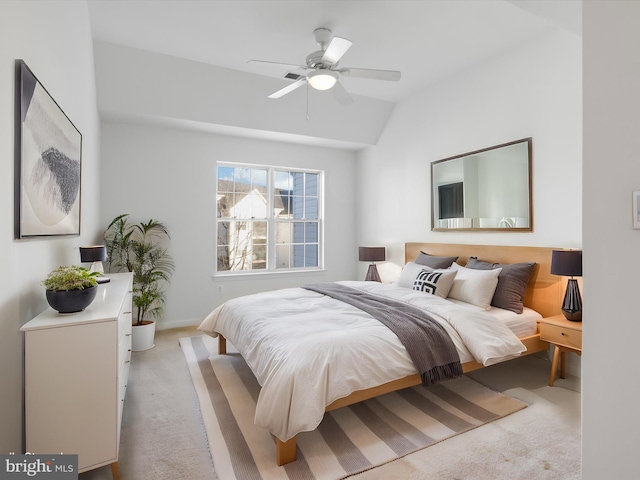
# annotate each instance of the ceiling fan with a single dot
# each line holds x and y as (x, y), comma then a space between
(321, 70)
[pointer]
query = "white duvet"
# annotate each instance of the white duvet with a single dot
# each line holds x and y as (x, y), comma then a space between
(308, 350)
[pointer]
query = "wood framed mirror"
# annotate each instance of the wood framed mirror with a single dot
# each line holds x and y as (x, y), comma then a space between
(488, 189)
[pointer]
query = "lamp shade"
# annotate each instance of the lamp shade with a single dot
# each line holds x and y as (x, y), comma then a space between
(566, 262)
(95, 253)
(371, 254)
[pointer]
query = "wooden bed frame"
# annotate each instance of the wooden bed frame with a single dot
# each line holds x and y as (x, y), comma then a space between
(544, 294)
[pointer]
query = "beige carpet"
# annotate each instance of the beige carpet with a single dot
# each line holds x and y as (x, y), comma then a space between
(163, 435)
(349, 440)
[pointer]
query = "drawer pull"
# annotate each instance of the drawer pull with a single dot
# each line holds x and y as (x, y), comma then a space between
(563, 334)
(127, 334)
(127, 361)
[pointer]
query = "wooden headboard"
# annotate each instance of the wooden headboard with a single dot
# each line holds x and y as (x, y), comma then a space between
(545, 291)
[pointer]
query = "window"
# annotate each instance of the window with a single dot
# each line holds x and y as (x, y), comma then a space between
(268, 219)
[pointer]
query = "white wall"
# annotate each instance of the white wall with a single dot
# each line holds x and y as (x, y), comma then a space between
(535, 92)
(611, 262)
(54, 39)
(169, 174)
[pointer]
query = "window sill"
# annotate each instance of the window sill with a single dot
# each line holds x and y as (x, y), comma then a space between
(277, 274)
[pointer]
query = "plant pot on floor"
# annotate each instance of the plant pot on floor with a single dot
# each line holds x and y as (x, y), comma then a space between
(142, 336)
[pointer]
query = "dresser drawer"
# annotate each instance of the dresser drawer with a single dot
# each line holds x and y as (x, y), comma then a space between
(561, 336)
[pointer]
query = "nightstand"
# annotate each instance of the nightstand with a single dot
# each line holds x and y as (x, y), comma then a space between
(566, 336)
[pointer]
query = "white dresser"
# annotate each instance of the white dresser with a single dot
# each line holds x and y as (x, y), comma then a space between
(76, 370)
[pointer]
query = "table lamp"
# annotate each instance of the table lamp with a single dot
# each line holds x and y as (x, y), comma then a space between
(372, 254)
(568, 263)
(95, 254)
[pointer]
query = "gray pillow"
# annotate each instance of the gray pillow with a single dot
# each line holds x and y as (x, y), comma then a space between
(434, 261)
(512, 282)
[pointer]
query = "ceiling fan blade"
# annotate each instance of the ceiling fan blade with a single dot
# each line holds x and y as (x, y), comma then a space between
(278, 64)
(336, 49)
(289, 88)
(391, 75)
(341, 94)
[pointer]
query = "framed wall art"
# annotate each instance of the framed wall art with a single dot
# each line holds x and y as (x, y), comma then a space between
(48, 162)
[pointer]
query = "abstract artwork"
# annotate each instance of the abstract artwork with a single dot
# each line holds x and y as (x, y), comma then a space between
(48, 163)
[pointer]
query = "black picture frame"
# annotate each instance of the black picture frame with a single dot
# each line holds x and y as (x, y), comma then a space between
(48, 163)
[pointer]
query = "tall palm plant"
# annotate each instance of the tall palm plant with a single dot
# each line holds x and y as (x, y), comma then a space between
(139, 248)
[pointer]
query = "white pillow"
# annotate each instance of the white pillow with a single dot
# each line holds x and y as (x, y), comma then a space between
(474, 286)
(425, 279)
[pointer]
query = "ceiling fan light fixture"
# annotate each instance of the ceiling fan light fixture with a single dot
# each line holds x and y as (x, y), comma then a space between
(322, 79)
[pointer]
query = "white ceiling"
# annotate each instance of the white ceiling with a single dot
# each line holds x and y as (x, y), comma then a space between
(427, 40)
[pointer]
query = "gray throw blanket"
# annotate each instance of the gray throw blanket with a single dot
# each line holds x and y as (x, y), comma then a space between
(429, 345)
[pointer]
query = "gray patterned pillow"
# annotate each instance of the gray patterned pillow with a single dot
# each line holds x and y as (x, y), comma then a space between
(436, 282)
(512, 282)
(434, 261)
(425, 279)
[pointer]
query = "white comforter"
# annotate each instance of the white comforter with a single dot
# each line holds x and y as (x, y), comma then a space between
(308, 350)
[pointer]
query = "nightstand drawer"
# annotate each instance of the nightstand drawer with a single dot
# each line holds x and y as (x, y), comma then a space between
(561, 336)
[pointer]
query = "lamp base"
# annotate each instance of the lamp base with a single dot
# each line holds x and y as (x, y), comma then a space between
(572, 304)
(372, 274)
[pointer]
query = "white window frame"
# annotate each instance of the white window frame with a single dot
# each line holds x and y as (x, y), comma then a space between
(271, 223)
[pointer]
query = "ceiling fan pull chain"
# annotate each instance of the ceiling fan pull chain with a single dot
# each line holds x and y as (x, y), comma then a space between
(307, 101)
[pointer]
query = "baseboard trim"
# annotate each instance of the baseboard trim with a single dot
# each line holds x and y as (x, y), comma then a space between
(164, 325)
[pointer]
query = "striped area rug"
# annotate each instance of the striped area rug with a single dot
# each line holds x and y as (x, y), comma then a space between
(348, 441)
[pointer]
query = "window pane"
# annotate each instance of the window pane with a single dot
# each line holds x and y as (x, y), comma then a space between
(311, 232)
(225, 179)
(259, 259)
(298, 256)
(281, 204)
(282, 256)
(298, 183)
(223, 205)
(258, 205)
(298, 207)
(242, 176)
(241, 206)
(223, 258)
(282, 180)
(298, 232)
(259, 181)
(239, 239)
(283, 232)
(311, 256)
(223, 233)
(311, 207)
(311, 185)
(259, 233)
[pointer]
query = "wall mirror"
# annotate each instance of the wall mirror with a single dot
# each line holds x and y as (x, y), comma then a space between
(489, 189)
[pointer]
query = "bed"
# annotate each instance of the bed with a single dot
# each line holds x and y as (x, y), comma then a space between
(294, 355)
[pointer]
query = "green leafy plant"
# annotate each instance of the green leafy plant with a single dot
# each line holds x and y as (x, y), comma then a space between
(139, 248)
(70, 277)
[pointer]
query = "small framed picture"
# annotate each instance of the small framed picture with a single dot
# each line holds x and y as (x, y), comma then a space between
(636, 209)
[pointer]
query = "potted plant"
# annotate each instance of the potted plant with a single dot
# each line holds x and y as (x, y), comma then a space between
(140, 248)
(70, 289)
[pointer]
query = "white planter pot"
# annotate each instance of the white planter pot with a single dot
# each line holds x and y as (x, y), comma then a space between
(142, 336)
